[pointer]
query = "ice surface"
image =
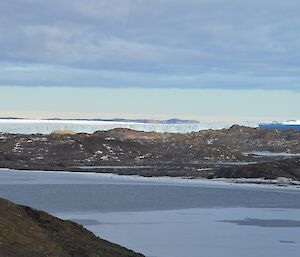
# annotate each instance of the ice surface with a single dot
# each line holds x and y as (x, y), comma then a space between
(197, 232)
(166, 217)
(272, 154)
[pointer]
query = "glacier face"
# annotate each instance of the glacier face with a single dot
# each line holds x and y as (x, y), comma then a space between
(23, 126)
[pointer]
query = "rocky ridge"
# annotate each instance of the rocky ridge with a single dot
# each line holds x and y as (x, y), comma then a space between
(235, 152)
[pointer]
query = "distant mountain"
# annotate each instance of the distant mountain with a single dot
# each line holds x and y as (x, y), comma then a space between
(10, 118)
(169, 121)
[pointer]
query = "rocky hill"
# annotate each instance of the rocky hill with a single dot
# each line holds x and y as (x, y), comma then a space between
(238, 151)
(25, 232)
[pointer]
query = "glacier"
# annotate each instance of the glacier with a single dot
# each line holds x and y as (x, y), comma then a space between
(34, 126)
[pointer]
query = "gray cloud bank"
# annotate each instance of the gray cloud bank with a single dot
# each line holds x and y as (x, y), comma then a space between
(157, 43)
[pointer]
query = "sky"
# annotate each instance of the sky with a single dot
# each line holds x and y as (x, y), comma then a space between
(207, 59)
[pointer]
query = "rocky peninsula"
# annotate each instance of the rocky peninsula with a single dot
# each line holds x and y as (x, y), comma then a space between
(237, 152)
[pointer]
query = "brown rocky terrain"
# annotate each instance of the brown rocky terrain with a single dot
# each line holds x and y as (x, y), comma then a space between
(25, 232)
(233, 152)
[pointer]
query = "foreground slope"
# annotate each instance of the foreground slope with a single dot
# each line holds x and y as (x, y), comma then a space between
(25, 232)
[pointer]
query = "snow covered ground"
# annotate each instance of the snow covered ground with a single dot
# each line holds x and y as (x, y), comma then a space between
(27, 126)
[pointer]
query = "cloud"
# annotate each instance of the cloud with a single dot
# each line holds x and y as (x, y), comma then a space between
(159, 43)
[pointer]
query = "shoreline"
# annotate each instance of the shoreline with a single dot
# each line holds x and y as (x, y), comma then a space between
(280, 183)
